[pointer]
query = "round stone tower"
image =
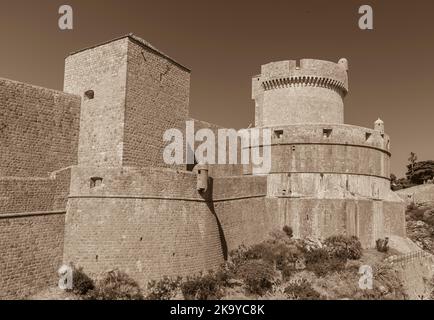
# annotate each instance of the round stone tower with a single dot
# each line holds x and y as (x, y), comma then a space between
(327, 177)
(311, 91)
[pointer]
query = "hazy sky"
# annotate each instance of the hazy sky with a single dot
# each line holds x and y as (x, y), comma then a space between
(226, 42)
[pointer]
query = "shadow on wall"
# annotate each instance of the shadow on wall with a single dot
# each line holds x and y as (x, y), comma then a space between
(207, 196)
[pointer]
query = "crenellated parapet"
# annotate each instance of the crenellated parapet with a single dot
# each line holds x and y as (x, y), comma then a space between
(307, 72)
(305, 91)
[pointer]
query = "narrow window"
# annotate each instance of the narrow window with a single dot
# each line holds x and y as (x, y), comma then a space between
(95, 182)
(89, 95)
(278, 134)
(367, 135)
(327, 133)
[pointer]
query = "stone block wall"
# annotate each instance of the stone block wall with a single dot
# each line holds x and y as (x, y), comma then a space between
(32, 222)
(27, 195)
(38, 130)
(369, 220)
(98, 75)
(31, 249)
(218, 170)
(147, 222)
(245, 214)
(157, 99)
(152, 222)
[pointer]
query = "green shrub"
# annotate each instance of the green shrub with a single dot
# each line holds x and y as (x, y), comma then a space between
(412, 206)
(164, 289)
(344, 247)
(281, 255)
(202, 287)
(301, 290)
(321, 263)
(428, 217)
(238, 256)
(81, 282)
(287, 272)
(224, 275)
(415, 213)
(116, 285)
(258, 276)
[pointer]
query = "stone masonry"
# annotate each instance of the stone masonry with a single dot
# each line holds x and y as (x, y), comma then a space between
(82, 177)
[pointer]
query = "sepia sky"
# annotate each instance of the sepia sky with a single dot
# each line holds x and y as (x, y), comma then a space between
(225, 42)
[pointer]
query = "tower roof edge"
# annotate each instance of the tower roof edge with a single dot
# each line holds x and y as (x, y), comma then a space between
(143, 43)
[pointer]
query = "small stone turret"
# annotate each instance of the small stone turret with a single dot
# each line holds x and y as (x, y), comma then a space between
(379, 126)
(202, 177)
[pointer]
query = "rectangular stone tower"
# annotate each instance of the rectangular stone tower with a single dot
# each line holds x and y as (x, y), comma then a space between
(131, 93)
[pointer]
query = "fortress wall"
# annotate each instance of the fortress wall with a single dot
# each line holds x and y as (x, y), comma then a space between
(148, 222)
(103, 70)
(147, 238)
(38, 130)
(247, 221)
(369, 220)
(152, 222)
(30, 253)
(330, 134)
(32, 222)
(328, 158)
(327, 149)
(418, 194)
(61, 188)
(329, 186)
(219, 170)
(27, 195)
(302, 105)
(157, 99)
(245, 214)
(394, 218)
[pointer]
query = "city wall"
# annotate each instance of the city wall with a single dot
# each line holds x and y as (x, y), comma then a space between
(39, 140)
(153, 222)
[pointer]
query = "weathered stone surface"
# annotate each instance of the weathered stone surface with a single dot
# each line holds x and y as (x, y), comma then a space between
(419, 194)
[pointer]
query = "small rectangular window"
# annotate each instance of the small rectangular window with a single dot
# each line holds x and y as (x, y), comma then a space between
(278, 134)
(368, 135)
(327, 133)
(95, 182)
(89, 94)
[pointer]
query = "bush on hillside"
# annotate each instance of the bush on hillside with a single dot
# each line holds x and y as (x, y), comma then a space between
(344, 247)
(301, 290)
(202, 287)
(116, 285)
(164, 289)
(321, 262)
(258, 276)
(81, 282)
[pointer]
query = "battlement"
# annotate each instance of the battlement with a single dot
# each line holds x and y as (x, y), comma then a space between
(306, 72)
(305, 91)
